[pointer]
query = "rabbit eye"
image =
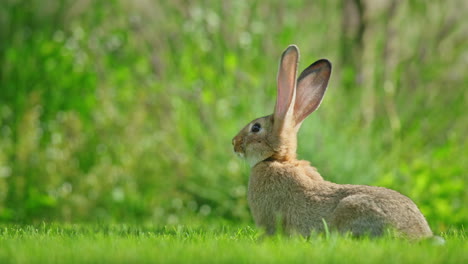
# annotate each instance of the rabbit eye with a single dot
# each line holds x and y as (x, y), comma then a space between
(256, 127)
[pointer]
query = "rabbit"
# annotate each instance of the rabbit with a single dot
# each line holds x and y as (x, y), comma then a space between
(287, 193)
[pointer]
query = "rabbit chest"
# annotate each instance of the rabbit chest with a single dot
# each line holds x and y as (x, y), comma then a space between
(286, 194)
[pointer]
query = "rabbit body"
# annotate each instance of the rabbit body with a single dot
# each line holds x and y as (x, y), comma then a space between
(294, 194)
(289, 192)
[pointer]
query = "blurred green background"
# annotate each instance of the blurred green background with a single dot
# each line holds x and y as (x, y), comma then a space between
(123, 111)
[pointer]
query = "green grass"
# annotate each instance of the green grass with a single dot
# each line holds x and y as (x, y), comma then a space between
(123, 112)
(221, 244)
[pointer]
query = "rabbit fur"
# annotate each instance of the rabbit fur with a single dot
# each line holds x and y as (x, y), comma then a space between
(289, 193)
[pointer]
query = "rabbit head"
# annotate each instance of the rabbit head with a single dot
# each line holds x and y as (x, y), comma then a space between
(274, 137)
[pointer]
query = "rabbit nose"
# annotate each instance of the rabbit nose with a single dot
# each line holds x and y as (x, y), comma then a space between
(235, 141)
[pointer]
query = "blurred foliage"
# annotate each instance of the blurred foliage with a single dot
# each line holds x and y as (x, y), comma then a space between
(124, 110)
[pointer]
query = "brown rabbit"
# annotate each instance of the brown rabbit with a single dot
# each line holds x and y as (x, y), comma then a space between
(284, 189)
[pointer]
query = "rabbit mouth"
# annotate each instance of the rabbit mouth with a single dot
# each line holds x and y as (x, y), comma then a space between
(237, 143)
(240, 154)
(239, 150)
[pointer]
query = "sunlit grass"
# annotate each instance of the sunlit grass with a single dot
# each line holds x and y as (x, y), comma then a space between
(214, 244)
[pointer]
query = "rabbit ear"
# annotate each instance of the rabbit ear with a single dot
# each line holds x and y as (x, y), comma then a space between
(286, 87)
(311, 86)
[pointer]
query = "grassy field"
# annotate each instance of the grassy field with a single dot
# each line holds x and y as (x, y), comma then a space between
(221, 244)
(123, 112)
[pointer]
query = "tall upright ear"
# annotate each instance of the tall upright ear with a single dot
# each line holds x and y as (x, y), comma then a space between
(311, 86)
(286, 88)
